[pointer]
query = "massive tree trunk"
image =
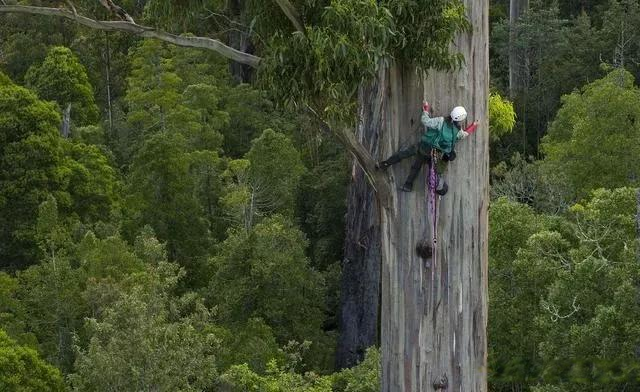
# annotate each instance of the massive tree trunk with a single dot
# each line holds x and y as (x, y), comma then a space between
(360, 287)
(434, 311)
(516, 9)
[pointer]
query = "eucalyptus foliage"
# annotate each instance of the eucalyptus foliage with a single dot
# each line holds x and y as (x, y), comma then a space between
(594, 140)
(502, 116)
(22, 369)
(63, 79)
(346, 44)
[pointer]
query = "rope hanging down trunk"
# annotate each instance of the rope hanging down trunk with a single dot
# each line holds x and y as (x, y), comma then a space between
(432, 183)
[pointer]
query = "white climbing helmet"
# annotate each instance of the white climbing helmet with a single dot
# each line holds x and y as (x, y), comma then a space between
(458, 114)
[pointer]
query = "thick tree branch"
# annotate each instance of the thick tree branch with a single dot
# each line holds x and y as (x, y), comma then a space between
(348, 139)
(292, 14)
(143, 31)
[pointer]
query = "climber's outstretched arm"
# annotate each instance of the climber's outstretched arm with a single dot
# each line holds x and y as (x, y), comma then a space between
(468, 130)
(427, 120)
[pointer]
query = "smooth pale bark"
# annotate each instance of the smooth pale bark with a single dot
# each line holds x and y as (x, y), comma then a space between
(65, 127)
(434, 315)
(516, 9)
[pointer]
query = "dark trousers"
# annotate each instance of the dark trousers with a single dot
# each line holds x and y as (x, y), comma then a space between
(421, 158)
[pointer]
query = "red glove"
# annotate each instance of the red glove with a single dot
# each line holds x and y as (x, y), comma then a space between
(426, 107)
(472, 128)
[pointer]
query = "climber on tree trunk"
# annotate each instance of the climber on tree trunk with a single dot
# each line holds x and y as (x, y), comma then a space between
(440, 134)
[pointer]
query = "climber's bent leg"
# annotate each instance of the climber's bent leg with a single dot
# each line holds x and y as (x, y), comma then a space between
(415, 170)
(398, 156)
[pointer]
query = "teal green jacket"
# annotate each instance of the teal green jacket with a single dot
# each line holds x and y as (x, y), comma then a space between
(438, 133)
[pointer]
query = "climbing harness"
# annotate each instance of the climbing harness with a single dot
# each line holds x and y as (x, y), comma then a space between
(432, 184)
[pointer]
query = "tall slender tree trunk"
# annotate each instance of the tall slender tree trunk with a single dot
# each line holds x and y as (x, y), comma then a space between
(239, 40)
(360, 287)
(516, 9)
(65, 127)
(107, 58)
(638, 223)
(434, 311)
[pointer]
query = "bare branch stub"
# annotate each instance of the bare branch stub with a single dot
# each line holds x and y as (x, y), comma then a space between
(291, 13)
(441, 384)
(117, 10)
(424, 249)
(555, 312)
(70, 4)
(347, 138)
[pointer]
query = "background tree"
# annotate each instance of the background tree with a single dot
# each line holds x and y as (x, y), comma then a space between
(573, 276)
(145, 338)
(276, 167)
(163, 194)
(31, 156)
(63, 79)
(22, 369)
(265, 274)
(580, 144)
(38, 163)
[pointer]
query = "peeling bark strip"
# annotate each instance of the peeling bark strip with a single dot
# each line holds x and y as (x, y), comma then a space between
(142, 31)
(435, 328)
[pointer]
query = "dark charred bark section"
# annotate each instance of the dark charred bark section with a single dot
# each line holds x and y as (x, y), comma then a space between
(360, 292)
(239, 40)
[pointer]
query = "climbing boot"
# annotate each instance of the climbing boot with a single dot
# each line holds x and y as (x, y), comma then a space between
(442, 187)
(407, 187)
(382, 165)
(449, 157)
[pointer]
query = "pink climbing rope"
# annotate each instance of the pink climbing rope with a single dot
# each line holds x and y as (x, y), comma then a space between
(433, 209)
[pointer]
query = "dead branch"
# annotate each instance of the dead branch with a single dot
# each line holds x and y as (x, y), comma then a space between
(116, 10)
(142, 31)
(555, 312)
(292, 14)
